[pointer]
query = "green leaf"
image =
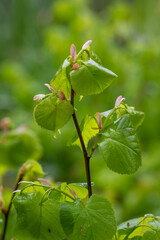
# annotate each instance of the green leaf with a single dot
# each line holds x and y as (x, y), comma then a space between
(120, 147)
(32, 171)
(144, 228)
(89, 128)
(36, 220)
(52, 113)
(137, 117)
(94, 221)
(60, 80)
(91, 78)
(18, 146)
(150, 235)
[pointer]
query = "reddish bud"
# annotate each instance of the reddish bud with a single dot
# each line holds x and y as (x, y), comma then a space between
(4, 124)
(45, 182)
(87, 44)
(73, 52)
(4, 210)
(73, 192)
(38, 97)
(119, 100)
(50, 87)
(99, 120)
(61, 95)
(75, 66)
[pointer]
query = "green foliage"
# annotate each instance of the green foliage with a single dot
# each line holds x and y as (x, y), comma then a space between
(32, 170)
(91, 78)
(94, 221)
(144, 228)
(37, 219)
(19, 145)
(60, 80)
(89, 129)
(120, 147)
(40, 214)
(52, 113)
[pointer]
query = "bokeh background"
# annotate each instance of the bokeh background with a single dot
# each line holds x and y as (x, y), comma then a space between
(35, 37)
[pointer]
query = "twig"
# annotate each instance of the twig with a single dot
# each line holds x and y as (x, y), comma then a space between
(86, 156)
(6, 212)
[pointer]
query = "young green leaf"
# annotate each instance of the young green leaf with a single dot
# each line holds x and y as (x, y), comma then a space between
(18, 146)
(60, 80)
(89, 128)
(37, 220)
(51, 113)
(94, 221)
(120, 147)
(91, 78)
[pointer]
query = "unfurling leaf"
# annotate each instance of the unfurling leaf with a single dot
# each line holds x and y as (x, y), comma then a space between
(87, 44)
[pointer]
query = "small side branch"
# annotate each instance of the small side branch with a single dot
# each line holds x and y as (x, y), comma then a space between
(85, 154)
(6, 212)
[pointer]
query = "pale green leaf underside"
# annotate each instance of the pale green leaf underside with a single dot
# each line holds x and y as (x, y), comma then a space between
(52, 114)
(144, 228)
(35, 221)
(120, 147)
(89, 128)
(91, 78)
(94, 221)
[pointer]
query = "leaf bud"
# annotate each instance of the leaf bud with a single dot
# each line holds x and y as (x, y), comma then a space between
(87, 44)
(38, 97)
(73, 52)
(99, 120)
(61, 95)
(75, 66)
(119, 100)
(50, 87)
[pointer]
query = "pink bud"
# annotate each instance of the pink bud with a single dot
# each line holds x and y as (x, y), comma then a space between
(87, 44)
(61, 95)
(38, 97)
(73, 192)
(119, 100)
(73, 52)
(75, 66)
(45, 182)
(4, 124)
(50, 88)
(99, 120)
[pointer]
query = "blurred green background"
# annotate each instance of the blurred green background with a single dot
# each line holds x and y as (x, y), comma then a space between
(35, 37)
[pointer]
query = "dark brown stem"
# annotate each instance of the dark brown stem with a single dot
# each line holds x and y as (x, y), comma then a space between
(85, 154)
(6, 212)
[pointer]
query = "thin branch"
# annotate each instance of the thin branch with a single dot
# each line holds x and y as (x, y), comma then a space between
(7, 211)
(86, 156)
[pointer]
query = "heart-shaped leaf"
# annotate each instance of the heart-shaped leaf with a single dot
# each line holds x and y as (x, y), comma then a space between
(94, 221)
(52, 113)
(120, 147)
(91, 78)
